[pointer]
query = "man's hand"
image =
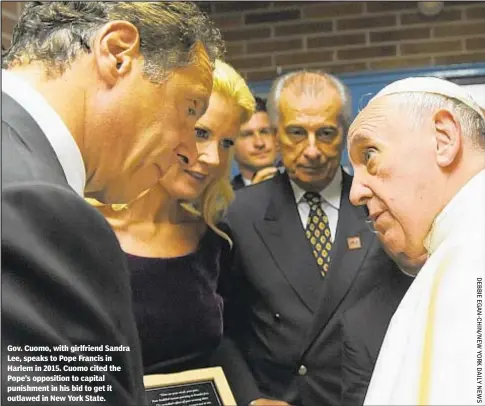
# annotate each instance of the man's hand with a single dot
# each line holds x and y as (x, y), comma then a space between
(264, 174)
(268, 402)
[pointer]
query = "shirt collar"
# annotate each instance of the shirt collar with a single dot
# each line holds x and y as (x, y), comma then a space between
(331, 194)
(460, 212)
(51, 125)
(247, 182)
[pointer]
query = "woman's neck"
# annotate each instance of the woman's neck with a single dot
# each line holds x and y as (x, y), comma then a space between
(155, 225)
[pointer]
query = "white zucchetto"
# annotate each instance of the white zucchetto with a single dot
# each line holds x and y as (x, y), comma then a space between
(428, 84)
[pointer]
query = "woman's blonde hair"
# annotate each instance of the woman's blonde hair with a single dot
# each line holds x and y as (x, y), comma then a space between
(213, 202)
(216, 197)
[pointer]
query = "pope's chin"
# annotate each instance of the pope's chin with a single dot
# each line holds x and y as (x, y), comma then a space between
(409, 260)
(391, 238)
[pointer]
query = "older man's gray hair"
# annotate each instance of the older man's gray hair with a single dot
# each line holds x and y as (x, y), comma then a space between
(304, 86)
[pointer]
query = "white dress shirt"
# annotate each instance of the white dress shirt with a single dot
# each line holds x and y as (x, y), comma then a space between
(52, 126)
(330, 202)
(247, 182)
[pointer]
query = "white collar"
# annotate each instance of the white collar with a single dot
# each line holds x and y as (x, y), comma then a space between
(331, 194)
(51, 125)
(460, 212)
(246, 182)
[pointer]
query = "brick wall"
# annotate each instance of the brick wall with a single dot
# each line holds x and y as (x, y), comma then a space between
(266, 38)
(10, 13)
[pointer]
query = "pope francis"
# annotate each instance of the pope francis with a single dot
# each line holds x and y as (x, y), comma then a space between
(418, 152)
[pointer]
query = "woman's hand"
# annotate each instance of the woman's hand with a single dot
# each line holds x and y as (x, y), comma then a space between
(268, 402)
(264, 174)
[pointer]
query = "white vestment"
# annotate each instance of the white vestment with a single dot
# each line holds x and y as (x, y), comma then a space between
(432, 352)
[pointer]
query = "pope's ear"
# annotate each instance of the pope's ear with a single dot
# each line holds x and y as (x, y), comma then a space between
(447, 135)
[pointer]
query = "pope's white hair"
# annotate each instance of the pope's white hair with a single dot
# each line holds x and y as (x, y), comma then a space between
(422, 96)
(420, 105)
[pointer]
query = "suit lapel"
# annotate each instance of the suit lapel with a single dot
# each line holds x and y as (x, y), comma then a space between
(346, 260)
(283, 234)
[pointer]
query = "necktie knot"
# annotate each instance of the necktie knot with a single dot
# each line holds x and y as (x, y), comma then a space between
(313, 198)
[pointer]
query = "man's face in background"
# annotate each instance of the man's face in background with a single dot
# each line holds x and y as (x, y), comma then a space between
(311, 137)
(255, 146)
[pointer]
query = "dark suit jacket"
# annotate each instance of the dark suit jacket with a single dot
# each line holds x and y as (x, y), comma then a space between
(237, 182)
(284, 326)
(363, 326)
(64, 277)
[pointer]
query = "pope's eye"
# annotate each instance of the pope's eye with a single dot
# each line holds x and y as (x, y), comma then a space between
(369, 154)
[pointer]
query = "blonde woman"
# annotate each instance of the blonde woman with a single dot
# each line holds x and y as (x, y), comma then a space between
(173, 244)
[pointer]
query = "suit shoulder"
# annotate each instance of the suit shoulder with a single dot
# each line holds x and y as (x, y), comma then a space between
(253, 195)
(49, 221)
(24, 161)
(259, 189)
(54, 202)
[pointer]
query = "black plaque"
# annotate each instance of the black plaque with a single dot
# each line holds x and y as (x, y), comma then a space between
(195, 387)
(188, 394)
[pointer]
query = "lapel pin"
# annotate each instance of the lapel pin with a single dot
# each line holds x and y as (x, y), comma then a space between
(354, 243)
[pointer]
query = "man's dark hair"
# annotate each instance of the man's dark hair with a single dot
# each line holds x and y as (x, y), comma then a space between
(55, 33)
(260, 104)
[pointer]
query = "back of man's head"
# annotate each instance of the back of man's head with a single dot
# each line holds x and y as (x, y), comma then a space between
(137, 76)
(56, 33)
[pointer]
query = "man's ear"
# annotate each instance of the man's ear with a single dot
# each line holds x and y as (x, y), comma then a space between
(115, 48)
(447, 133)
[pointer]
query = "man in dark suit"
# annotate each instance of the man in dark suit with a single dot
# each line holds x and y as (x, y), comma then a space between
(255, 149)
(305, 261)
(81, 111)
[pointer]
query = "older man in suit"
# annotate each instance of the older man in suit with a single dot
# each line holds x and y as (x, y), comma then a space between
(97, 98)
(305, 257)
